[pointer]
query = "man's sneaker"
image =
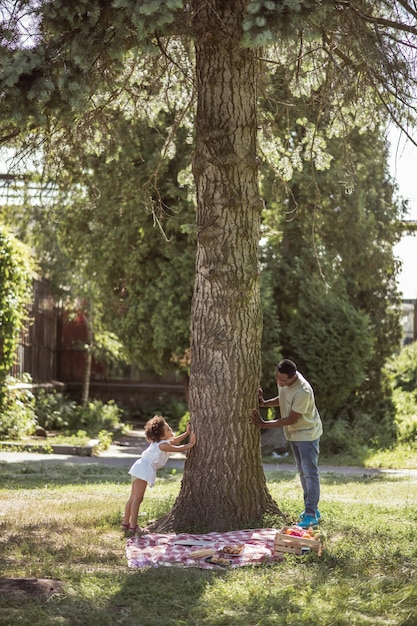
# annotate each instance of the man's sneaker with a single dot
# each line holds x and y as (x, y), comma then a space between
(308, 521)
(303, 515)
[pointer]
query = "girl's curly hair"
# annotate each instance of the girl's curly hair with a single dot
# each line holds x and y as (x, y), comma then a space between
(154, 428)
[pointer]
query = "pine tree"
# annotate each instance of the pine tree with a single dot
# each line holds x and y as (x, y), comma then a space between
(68, 65)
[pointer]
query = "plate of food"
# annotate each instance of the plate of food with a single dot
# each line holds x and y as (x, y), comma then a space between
(235, 549)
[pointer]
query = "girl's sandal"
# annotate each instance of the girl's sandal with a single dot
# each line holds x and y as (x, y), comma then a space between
(125, 527)
(134, 529)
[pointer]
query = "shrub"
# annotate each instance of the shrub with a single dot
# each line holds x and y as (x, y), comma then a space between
(54, 411)
(97, 416)
(406, 416)
(402, 372)
(17, 417)
(402, 369)
(15, 291)
(330, 338)
(23, 411)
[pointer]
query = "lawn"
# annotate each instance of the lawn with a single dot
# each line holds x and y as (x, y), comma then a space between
(62, 521)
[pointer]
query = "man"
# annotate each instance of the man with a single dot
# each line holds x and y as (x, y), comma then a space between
(302, 428)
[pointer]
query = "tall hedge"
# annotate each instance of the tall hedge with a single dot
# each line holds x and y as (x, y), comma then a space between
(15, 293)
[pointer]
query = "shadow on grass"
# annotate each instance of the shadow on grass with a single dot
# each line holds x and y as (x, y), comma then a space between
(153, 597)
(90, 597)
(313, 592)
(34, 474)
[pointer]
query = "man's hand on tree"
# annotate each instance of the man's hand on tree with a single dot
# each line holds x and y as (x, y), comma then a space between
(256, 418)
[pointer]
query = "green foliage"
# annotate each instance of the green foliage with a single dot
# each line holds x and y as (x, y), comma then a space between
(271, 337)
(24, 411)
(173, 410)
(402, 368)
(127, 234)
(182, 426)
(330, 225)
(149, 16)
(406, 415)
(54, 411)
(15, 291)
(353, 431)
(265, 19)
(17, 415)
(95, 417)
(331, 342)
(108, 349)
(402, 373)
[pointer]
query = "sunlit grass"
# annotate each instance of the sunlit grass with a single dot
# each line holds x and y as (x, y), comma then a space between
(63, 521)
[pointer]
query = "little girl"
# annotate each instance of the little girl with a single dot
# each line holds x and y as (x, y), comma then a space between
(143, 471)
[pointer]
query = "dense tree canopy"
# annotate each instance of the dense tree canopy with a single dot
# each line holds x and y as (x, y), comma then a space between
(138, 246)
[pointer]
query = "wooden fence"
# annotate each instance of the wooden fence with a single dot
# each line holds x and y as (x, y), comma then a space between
(49, 350)
(37, 349)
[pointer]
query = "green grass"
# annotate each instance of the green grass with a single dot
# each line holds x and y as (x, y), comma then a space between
(62, 521)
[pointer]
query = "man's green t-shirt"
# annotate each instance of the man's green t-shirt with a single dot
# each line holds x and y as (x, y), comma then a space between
(299, 397)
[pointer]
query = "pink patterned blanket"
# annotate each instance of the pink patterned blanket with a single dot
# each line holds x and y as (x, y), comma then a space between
(171, 550)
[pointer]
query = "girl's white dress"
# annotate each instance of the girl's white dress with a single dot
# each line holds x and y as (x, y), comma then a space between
(152, 459)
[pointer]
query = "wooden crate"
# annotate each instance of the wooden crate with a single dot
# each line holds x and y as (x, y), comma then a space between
(295, 545)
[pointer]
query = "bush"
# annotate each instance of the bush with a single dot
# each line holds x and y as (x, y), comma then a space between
(359, 425)
(402, 372)
(54, 411)
(15, 293)
(406, 416)
(330, 338)
(402, 369)
(17, 418)
(97, 416)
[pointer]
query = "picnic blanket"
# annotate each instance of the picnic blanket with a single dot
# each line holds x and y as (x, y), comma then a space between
(173, 550)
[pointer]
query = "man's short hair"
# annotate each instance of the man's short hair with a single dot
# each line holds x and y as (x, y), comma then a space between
(287, 367)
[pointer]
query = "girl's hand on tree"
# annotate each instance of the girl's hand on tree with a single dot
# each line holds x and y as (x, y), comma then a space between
(261, 397)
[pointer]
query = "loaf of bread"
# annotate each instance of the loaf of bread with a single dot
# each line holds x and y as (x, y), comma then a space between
(202, 552)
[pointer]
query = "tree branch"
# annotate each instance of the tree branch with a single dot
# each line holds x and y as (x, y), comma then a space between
(381, 21)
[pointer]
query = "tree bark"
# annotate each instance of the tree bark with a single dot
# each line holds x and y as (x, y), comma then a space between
(224, 486)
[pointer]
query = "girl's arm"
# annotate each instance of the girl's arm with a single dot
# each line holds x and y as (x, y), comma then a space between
(179, 438)
(171, 447)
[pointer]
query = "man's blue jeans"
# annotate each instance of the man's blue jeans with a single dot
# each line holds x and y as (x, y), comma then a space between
(306, 454)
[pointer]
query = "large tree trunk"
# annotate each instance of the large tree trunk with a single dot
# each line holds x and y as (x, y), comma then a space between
(224, 485)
